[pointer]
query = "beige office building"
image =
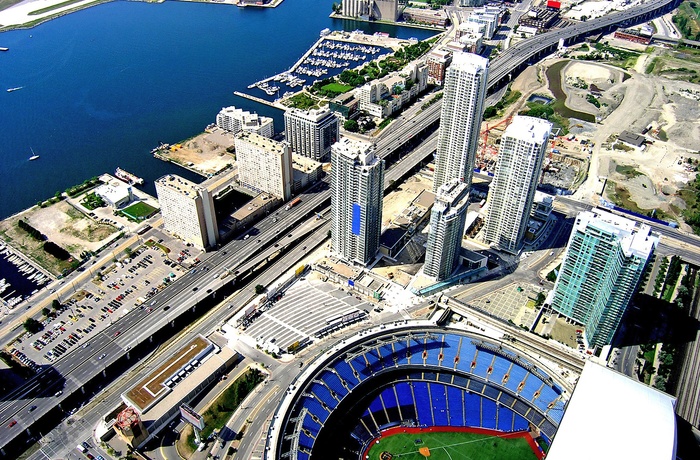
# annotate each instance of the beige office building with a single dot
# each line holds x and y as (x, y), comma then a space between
(264, 165)
(188, 211)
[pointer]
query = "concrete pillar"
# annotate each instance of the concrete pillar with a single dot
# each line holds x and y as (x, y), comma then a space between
(82, 389)
(104, 373)
(150, 339)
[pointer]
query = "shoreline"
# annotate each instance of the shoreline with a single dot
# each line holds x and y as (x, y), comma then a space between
(62, 11)
(390, 23)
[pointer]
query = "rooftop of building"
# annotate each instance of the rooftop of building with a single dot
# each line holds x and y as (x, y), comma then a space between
(252, 206)
(631, 138)
(635, 238)
(196, 377)
(180, 184)
(624, 413)
(310, 114)
(304, 164)
(357, 150)
(451, 191)
(150, 388)
(263, 142)
(113, 191)
(529, 129)
(469, 62)
(440, 54)
(234, 111)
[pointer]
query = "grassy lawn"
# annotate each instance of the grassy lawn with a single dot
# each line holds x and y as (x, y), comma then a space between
(628, 171)
(453, 446)
(220, 410)
(140, 210)
(337, 88)
(302, 101)
(688, 19)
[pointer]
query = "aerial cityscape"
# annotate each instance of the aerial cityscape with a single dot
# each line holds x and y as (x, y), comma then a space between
(368, 229)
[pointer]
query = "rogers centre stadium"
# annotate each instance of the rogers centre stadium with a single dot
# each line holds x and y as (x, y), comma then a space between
(417, 378)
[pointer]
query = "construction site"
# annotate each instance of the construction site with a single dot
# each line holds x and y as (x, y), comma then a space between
(563, 170)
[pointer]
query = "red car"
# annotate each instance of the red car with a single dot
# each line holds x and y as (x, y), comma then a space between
(12, 423)
(117, 333)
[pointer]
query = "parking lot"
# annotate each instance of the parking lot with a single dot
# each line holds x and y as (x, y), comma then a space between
(112, 291)
(306, 308)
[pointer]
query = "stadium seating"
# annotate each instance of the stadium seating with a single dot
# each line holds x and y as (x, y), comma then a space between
(492, 388)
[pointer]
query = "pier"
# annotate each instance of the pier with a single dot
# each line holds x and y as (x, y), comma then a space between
(258, 99)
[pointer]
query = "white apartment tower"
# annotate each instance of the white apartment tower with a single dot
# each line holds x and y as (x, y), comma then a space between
(311, 132)
(447, 220)
(357, 194)
(236, 120)
(187, 210)
(460, 118)
(264, 165)
(512, 191)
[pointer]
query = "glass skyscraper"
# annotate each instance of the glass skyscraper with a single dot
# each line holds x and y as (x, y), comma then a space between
(604, 261)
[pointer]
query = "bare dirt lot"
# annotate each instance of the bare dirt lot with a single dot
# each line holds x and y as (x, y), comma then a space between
(63, 225)
(205, 153)
(639, 179)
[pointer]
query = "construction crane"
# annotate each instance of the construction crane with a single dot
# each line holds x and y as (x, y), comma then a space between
(487, 149)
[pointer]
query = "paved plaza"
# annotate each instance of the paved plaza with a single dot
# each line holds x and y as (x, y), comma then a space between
(304, 310)
(513, 302)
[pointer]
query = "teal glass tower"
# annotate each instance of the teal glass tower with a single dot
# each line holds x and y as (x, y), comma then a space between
(604, 261)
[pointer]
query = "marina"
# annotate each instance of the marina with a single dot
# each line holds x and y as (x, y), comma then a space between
(329, 56)
(20, 279)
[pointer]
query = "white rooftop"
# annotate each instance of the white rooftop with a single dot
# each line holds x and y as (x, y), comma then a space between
(469, 62)
(529, 129)
(353, 149)
(611, 416)
(635, 238)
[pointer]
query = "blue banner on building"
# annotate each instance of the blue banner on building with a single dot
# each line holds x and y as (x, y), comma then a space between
(356, 217)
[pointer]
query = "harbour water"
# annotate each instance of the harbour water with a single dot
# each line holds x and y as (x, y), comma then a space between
(101, 87)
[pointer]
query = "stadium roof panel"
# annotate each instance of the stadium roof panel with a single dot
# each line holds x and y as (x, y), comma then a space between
(611, 416)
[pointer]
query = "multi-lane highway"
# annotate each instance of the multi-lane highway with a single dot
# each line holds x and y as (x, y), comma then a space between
(83, 364)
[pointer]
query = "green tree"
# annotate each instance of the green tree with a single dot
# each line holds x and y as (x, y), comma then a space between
(32, 326)
(45, 311)
(55, 304)
(259, 289)
(351, 125)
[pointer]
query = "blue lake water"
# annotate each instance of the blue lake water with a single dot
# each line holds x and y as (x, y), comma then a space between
(101, 87)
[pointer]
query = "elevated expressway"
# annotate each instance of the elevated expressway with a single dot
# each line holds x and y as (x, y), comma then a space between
(81, 366)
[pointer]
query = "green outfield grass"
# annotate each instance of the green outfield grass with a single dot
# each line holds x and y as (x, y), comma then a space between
(452, 446)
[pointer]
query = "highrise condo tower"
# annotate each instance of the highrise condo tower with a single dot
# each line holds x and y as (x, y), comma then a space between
(460, 118)
(446, 229)
(357, 194)
(514, 184)
(604, 261)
